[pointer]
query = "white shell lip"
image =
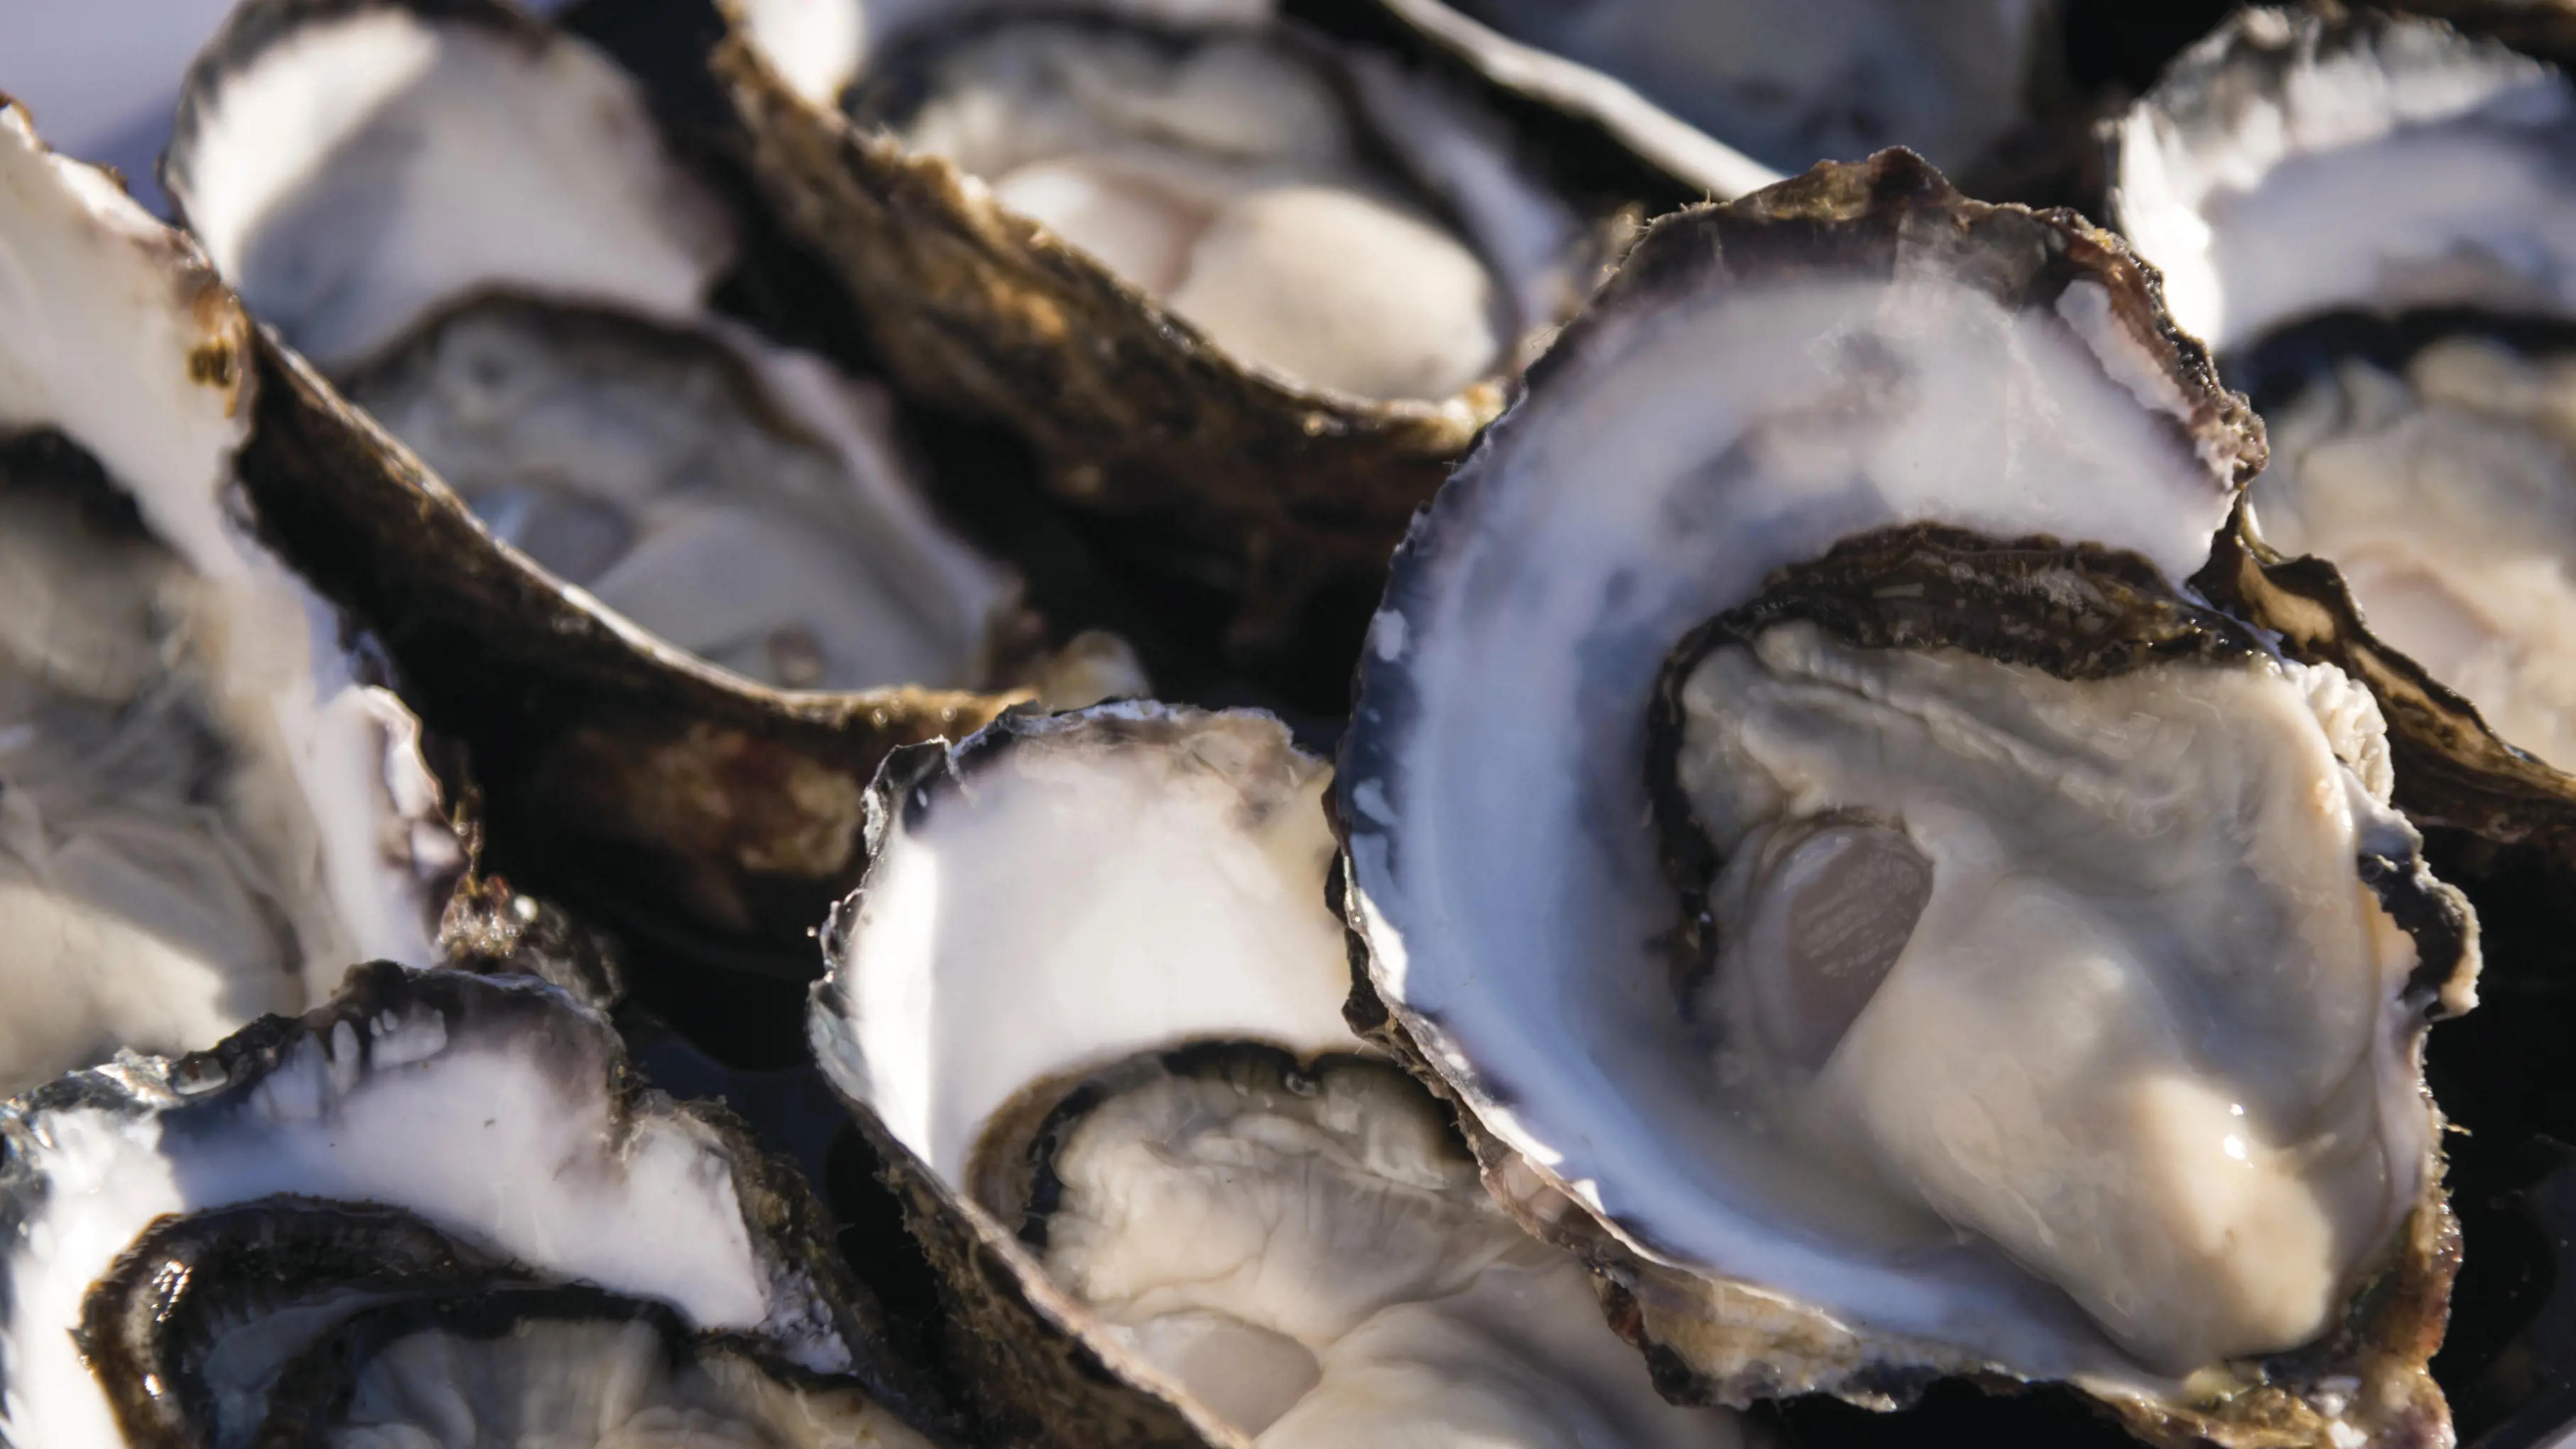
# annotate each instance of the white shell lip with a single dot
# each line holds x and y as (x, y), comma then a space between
(1527, 684)
(112, 318)
(2294, 164)
(360, 168)
(881, 1026)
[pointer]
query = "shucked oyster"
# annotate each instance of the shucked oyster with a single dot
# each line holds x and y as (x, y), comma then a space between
(204, 815)
(2043, 991)
(203, 1246)
(1246, 282)
(614, 769)
(473, 224)
(1087, 1004)
(2374, 221)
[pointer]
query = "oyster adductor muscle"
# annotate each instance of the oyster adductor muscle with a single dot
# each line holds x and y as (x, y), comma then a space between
(2044, 993)
(1246, 282)
(1184, 1205)
(207, 810)
(421, 1136)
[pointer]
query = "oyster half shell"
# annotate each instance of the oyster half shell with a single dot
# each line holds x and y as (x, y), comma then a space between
(1048, 224)
(183, 1231)
(1842, 538)
(1180, 1204)
(2371, 219)
(682, 801)
(207, 809)
(474, 224)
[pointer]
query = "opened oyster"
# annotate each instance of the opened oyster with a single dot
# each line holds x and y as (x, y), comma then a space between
(204, 813)
(472, 223)
(1794, 83)
(2372, 219)
(2038, 985)
(611, 765)
(318, 1220)
(1245, 282)
(1173, 1200)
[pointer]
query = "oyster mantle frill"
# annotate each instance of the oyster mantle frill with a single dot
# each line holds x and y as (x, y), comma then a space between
(1999, 862)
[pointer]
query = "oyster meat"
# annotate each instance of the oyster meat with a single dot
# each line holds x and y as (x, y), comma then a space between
(193, 1241)
(474, 225)
(205, 813)
(2374, 221)
(1185, 1169)
(1860, 897)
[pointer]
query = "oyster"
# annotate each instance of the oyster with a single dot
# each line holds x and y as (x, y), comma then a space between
(2038, 988)
(1245, 283)
(693, 807)
(186, 1235)
(1180, 1204)
(2372, 219)
(205, 809)
(1791, 84)
(474, 225)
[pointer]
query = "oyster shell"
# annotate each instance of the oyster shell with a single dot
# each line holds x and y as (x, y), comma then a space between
(206, 810)
(1792, 84)
(693, 807)
(2371, 218)
(1179, 1205)
(1837, 1120)
(1048, 224)
(473, 223)
(440, 1134)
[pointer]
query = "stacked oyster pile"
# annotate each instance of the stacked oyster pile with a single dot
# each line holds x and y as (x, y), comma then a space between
(1773, 818)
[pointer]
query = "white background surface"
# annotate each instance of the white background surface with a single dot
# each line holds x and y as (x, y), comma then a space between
(102, 76)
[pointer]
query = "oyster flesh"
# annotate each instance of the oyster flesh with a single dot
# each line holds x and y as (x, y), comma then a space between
(474, 225)
(1182, 1195)
(2038, 987)
(205, 812)
(193, 1240)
